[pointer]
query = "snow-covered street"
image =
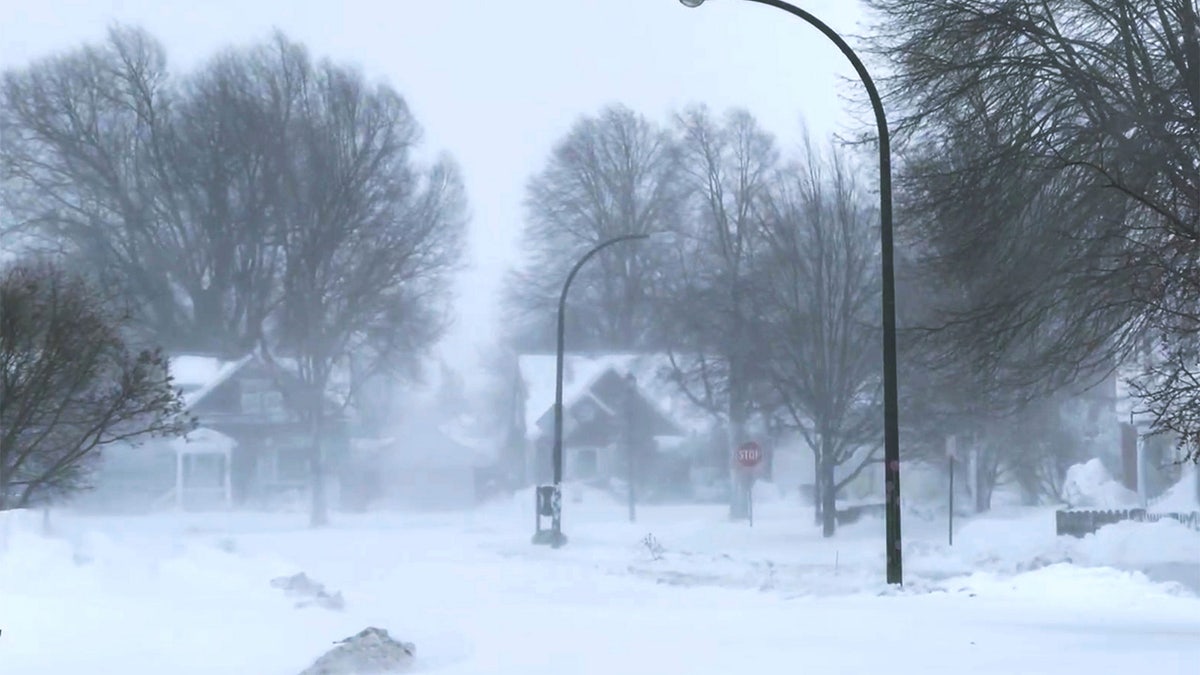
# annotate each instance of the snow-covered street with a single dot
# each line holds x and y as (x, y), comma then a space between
(192, 594)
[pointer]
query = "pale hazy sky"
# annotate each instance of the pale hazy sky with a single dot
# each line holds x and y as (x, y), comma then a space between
(497, 83)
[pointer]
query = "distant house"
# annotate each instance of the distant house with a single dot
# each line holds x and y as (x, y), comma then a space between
(425, 464)
(610, 403)
(186, 473)
(242, 399)
(421, 447)
(250, 449)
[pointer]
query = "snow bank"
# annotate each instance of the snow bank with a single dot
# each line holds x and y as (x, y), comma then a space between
(1182, 497)
(26, 554)
(1134, 545)
(1063, 584)
(15, 524)
(1090, 485)
(177, 604)
(1026, 542)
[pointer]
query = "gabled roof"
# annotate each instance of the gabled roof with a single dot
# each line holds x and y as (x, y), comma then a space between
(197, 376)
(582, 371)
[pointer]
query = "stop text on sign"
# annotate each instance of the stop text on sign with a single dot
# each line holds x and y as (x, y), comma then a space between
(749, 454)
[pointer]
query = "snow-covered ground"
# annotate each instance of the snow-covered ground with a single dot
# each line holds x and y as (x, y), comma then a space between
(191, 593)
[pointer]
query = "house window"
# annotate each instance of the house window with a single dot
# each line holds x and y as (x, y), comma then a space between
(267, 403)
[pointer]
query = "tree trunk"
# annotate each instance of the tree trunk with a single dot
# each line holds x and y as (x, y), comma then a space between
(817, 480)
(828, 500)
(983, 494)
(320, 510)
(738, 502)
(983, 477)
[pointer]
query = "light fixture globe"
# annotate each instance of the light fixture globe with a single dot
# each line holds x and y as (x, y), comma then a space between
(691, 3)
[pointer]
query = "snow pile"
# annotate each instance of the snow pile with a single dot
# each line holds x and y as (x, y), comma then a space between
(370, 652)
(1130, 544)
(14, 525)
(1013, 545)
(1183, 497)
(1064, 584)
(1090, 485)
(27, 555)
(309, 592)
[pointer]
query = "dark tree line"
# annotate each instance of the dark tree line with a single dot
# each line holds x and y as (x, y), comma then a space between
(266, 202)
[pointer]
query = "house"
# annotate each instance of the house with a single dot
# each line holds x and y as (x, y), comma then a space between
(242, 399)
(424, 465)
(249, 449)
(428, 449)
(611, 402)
(192, 472)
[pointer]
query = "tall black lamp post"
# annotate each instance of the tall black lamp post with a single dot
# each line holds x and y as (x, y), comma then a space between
(891, 421)
(549, 497)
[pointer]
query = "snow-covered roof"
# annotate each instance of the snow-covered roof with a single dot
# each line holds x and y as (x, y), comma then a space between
(581, 371)
(198, 375)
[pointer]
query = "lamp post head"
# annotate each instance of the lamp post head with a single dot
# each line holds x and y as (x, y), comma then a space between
(691, 3)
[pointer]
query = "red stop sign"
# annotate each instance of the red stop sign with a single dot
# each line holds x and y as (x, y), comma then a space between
(749, 454)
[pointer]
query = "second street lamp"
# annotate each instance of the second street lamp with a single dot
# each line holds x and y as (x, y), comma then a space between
(549, 500)
(891, 404)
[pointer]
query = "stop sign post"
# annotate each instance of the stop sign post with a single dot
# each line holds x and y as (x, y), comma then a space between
(748, 456)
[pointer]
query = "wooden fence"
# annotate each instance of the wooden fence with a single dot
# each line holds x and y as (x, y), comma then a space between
(1082, 523)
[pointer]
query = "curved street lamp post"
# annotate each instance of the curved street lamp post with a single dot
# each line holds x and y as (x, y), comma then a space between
(549, 497)
(891, 423)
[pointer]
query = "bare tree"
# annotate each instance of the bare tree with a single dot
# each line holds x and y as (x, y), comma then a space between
(83, 161)
(368, 239)
(229, 151)
(614, 173)
(819, 296)
(162, 189)
(727, 166)
(70, 385)
(1053, 168)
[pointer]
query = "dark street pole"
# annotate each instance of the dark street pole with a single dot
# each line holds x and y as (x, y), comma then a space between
(557, 538)
(891, 405)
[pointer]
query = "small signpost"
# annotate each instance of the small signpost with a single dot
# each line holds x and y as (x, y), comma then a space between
(951, 456)
(748, 456)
